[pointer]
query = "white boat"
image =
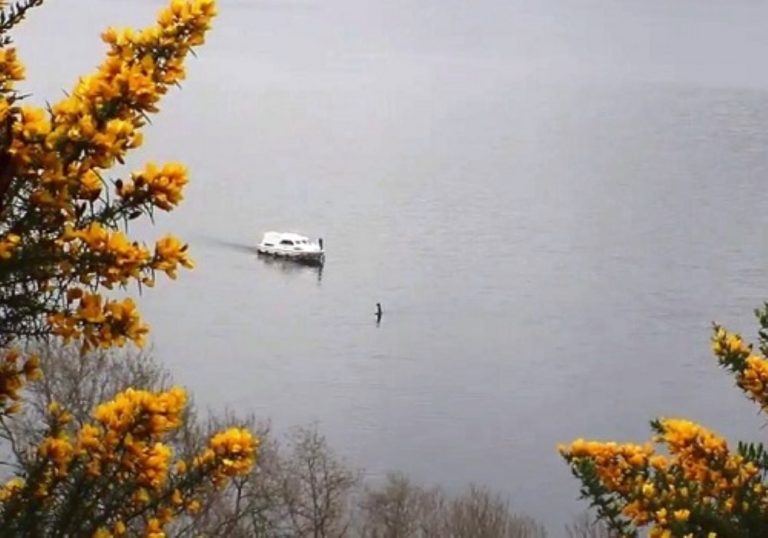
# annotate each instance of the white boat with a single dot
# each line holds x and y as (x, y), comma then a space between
(292, 246)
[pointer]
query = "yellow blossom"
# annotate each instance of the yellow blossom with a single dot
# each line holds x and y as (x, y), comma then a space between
(161, 187)
(682, 514)
(10, 488)
(119, 528)
(649, 490)
(90, 185)
(8, 245)
(170, 253)
(11, 68)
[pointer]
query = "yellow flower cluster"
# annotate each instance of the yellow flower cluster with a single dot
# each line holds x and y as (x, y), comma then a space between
(11, 488)
(161, 187)
(665, 492)
(230, 452)
(613, 461)
(111, 259)
(666, 533)
(28, 145)
(8, 245)
(170, 253)
(115, 259)
(623, 470)
(90, 186)
(682, 435)
(11, 69)
(124, 452)
(34, 124)
(727, 345)
(14, 373)
(750, 369)
(58, 450)
(704, 458)
(100, 323)
(145, 412)
(754, 380)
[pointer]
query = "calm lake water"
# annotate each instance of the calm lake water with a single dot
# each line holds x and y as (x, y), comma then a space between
(552, 201)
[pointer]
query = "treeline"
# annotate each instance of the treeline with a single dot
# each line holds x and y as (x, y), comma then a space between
(299, 487)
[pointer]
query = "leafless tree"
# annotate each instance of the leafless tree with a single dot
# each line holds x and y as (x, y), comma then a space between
(299, 488)
(230, 512)
(479, 513)
(585, 526)
(81, 381)
(401, 509)
(315, 487)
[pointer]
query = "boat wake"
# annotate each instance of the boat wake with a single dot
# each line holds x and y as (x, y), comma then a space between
(292, 267)
(229, 245)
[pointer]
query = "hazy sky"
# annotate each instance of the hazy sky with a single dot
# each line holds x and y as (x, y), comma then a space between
(715, 42)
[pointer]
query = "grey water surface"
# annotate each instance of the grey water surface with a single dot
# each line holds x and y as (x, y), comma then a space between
(551, 199)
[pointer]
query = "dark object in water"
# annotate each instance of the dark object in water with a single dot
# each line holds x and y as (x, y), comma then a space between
(379, 312)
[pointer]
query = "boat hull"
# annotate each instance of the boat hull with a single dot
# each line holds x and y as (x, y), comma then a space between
(307, 258)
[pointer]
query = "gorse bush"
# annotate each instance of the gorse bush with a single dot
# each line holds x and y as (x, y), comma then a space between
(60, 213)
(78, 383)
(117, 472)
(112, 471)
(698, 485)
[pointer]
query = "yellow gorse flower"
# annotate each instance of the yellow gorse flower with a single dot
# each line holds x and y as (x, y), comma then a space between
(100, 323)
(161, 187)
(754, 380)
(170, 253)
(235, 447)
(229, 453)
(682, 515)
(153, 413)
(8, 245)
(11, 488)
(11, 69)
(15, 372)
(724, 343)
